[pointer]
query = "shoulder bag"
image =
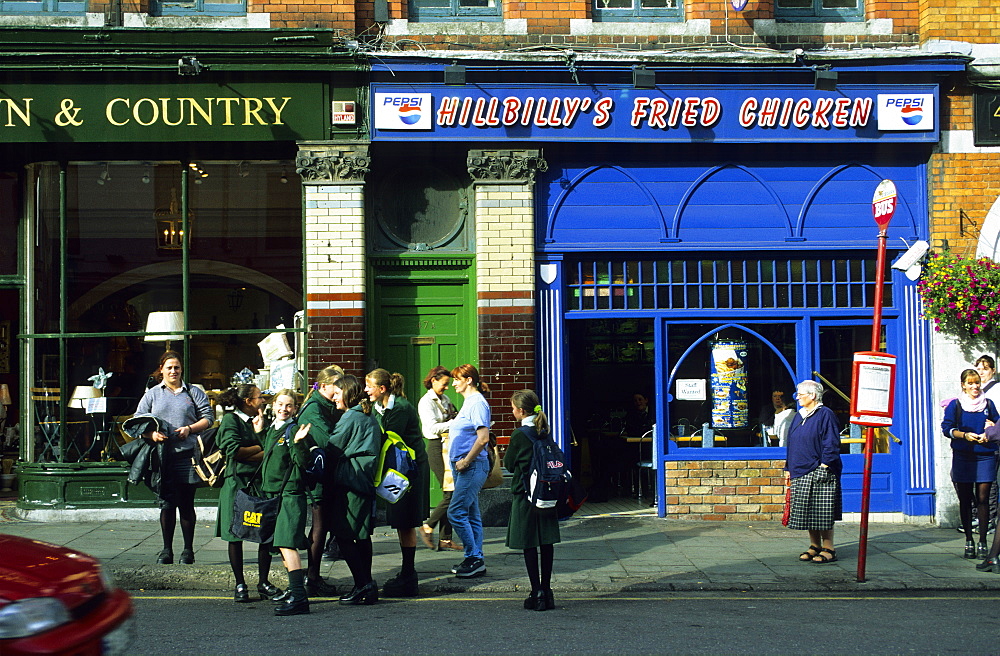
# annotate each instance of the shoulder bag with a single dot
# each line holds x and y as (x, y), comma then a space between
(495, 477)
(254, 517)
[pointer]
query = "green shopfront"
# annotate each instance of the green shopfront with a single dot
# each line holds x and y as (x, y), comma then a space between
(146, 172)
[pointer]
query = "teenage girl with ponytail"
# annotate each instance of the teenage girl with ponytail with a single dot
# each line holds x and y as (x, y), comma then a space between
(395, 413)
(320, 411)
(529, 531)
(239, 439)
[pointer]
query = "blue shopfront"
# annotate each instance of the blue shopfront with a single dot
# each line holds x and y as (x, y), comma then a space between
(705, 248)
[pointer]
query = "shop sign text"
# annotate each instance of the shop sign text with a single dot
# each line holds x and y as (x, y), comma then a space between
(627, 114)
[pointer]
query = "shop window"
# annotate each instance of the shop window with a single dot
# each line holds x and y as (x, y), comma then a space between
(627, 10)
(825, 10)
(458, 10)
(199, 7)
(41, 7)
(116, 236)
(733, 283)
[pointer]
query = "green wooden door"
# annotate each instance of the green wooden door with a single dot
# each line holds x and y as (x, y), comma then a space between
(418, 325)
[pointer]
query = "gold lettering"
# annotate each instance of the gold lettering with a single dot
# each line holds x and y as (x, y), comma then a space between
(166, 119)
(108, 109)
(152, 104)
(229, 108)
(277, 110)
(14, 109)
(255, 111)
(206, 113)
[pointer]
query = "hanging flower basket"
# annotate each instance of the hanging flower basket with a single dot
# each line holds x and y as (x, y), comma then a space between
(961, 295)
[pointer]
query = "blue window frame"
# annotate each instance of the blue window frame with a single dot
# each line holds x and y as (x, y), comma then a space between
(42, 7)
(454, 10)
(625, 10)
(199, 7)
(825, 10)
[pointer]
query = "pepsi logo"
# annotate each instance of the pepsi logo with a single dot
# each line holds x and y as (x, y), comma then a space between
(911, 114)
(409, 113)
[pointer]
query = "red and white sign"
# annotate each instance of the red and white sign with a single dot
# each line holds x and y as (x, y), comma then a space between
(905, 112)
(873, 388)
(884, 203)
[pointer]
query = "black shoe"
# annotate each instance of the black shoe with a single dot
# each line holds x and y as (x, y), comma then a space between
(187, 557)
(293, 606)
(470, 568)
(241, 595)
(970, 549)
(531, 603)
(545, 600)
(267, 591)
(365, 595)
(983, 550)
(282, 598)
(319, 588)
(986, 565)
(402, 585)
(165, 557)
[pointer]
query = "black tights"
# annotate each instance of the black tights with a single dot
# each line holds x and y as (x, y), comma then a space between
(978, 495)
(358, 556)
(531, 564)
(183, 498)
(263, 562)
(317, 541)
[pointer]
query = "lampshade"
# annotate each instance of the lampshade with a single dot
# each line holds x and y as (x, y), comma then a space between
(4, 394)
(161, 322)
(80, 395)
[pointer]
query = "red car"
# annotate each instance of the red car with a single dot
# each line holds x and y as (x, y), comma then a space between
(55, 600)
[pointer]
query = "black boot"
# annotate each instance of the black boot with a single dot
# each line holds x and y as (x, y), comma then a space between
(297, 602)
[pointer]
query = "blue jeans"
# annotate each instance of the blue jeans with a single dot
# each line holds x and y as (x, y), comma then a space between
(463, 512)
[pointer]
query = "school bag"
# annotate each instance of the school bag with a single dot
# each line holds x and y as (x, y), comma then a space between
(396, 463)
(547, 481)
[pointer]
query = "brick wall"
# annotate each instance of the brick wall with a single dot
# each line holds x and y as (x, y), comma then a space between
(505, 291)
(962, 185)
(721, 490)
(974, 21)
(335, 276)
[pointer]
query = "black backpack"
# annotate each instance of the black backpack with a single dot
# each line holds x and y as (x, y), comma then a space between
(546, 484)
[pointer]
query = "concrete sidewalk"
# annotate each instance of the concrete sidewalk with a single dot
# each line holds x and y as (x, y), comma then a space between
(599, 554)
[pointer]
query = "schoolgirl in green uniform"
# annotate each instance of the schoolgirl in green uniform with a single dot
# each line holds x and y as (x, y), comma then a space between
(527, 530)
(238, 438)
(286, 454)
(353, 449)
(322, 414)
(398, 415)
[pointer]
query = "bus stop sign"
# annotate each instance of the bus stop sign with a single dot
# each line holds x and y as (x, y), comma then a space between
(884, 203)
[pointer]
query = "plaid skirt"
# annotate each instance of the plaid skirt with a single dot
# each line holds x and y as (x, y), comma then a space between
(816, 501)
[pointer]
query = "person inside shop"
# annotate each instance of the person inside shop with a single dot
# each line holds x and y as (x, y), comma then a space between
(639, 421)
(775, 418)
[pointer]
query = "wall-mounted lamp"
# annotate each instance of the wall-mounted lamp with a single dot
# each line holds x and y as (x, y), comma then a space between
(243, 168)
(189, 65)
(145, 176)
(104, 176)
(454, 74)
(643, 78)
(284, 177)
(824, 79)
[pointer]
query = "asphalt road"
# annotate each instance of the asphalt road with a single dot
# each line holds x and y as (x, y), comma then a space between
(678, 623)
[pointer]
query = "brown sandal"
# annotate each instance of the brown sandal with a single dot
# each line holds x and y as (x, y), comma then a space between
(807, 556)
(822, 557)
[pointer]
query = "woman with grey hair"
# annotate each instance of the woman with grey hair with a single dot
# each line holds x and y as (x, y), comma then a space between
(813, 467)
